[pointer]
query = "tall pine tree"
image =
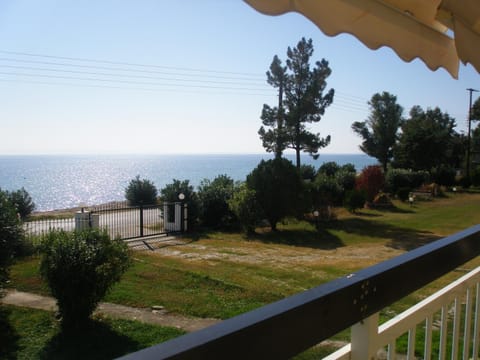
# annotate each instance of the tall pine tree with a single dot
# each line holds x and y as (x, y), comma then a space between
(301, 102)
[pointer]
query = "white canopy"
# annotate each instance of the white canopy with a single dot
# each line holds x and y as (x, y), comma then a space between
(441, 33)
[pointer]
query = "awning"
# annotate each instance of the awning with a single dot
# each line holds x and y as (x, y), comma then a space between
(441, 33)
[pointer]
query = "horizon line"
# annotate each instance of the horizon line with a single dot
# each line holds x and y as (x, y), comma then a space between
(170, 154)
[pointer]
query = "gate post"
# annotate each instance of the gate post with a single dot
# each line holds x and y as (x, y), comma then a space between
(82, 220)
(141, 220)
(184, 217)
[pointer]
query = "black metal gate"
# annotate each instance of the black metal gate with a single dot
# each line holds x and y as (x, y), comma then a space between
(128, 222)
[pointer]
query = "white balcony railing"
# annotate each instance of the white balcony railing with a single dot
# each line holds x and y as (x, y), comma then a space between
(449, 319)
(452, 313)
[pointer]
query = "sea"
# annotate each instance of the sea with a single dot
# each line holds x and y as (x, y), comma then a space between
(68, 181)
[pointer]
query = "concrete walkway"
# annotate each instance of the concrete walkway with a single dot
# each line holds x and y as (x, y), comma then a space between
(157, 315)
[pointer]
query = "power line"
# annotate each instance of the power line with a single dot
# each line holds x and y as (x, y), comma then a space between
(123, 75)
(124, 63)
(242, 78)
(126, 81)
(188, 78)
(203, 91)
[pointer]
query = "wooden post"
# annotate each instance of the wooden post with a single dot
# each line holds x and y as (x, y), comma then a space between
(364, 338)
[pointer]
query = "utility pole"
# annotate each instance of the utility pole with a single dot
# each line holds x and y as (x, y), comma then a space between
(468, 135)
(279, 145)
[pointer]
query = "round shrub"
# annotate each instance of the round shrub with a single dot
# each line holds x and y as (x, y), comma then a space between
(355, 199)
(141, 192)
(329, 168)
(405, 178)
(214, 196)
(349, 167)
(346, 179)
(245, 206)
(326, 191)
(278, 187)
(79, 268)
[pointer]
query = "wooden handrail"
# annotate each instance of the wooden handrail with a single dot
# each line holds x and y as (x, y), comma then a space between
(294, 324)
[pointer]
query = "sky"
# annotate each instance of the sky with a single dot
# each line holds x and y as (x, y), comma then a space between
(186, 76)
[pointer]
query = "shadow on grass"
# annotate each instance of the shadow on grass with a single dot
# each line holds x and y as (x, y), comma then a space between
(95, 341)
(366, 214)
(396, 210)
(321, 239)
(400, 238)
(8, 336)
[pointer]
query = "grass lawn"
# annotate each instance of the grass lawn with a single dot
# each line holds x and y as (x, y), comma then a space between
(218, 274)
(35, 334)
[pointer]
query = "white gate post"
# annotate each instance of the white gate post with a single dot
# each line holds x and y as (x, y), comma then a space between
(185, 218)
(176, 210)
(81, 220)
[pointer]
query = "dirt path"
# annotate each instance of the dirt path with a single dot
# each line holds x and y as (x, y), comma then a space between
(157, 316)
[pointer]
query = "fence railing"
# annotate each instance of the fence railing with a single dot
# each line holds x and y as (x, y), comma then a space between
(448, 321)
(131, 222)
(120, 220)
(39, 228)
(293, 325)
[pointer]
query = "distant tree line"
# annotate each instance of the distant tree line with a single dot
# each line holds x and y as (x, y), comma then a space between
(425, 140)
(274, 190)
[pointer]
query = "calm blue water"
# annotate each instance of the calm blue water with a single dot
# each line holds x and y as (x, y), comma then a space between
(58, 182)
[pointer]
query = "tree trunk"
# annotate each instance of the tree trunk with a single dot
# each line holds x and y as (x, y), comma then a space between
(298, 157)
(273, 224)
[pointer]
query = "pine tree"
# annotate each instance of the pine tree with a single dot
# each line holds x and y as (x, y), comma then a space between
(301, 101)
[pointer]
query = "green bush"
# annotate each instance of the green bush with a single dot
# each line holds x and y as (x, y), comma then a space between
(476, 176)
(355, 199)
(307, 172)
(403, 193)
(11, 236)
(22, 201)
(141, 192)
(79, 268)
(278, 187)
(326, 191)
(245, 206)
(443, 175)
(329, 168)
(214, 196)
(465, 182)
(348, 167)
(404, 178)
(346, 179)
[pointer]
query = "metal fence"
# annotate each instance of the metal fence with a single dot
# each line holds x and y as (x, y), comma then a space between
(39, 228)
(119, 219)
(129, 222)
